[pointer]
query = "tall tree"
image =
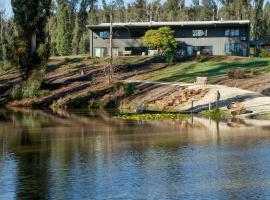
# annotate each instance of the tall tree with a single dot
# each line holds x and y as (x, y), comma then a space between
(30, 48)
(209, 10)
(257, 19)
(80, 27)
(172, 9)
(266, 23)
(2, 25)
(64, 28)
(93, 12)
(140, 10)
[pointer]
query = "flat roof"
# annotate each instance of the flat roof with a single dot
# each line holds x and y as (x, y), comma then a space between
(179, 23)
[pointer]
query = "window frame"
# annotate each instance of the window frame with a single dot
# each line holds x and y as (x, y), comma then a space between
(231, 48)
(105, 36)
(232, 32)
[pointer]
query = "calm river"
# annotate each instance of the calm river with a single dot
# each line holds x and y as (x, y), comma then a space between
(81, 155)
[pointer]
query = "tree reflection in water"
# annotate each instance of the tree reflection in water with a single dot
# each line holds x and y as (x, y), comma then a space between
(85, 155)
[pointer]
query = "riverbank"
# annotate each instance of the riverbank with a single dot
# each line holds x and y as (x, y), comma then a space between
(145, 84)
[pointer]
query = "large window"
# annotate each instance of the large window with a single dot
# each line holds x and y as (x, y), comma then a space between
(104, 34)
(137, 33)
(203, 50)
(100, 51)
(232, 32)
(232, 48)
(199, 33)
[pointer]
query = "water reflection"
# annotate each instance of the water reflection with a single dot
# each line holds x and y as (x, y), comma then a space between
(85, 155)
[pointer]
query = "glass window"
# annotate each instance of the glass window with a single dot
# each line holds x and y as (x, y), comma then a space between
(232, 48)
(227, 32)
(232, 32)
(227, 48)
(199, 33)
(137, 34)
(236, 32)
(104, 34)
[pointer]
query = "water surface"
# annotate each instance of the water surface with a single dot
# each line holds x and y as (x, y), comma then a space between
(82, 155)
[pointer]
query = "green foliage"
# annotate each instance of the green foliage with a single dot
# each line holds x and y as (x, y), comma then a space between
(64, 29)
(161, 39)
(152, 39)
(265, 54)
(84, 44)
(31, 88)
(152, 116)
(30, 17)
(216, 114)
(17, 92)
(6, 66)
(130, 88)
(118, 85)
(79, 40)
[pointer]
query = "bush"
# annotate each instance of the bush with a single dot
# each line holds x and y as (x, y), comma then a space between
(118, 85)
(264, 54)
(255, 72)
(216, 114)
(31, 88)
(6, 66)
(16, 92)
(169, 58)
(236, 73)
(129, 88)
(67, 59)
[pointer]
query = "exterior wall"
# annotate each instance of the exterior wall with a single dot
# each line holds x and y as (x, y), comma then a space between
(215, 38)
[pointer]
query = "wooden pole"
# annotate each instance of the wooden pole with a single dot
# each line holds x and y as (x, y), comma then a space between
(217, 100)
(110, 50)
(2, 35)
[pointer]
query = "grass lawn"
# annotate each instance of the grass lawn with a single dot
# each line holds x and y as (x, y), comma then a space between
(188, 71)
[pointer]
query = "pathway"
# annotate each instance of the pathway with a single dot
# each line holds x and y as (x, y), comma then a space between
(255, 103)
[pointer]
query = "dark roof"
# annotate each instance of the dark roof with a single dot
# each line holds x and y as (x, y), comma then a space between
(182, 23)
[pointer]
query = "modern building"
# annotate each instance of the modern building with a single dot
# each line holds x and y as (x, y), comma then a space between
(195, 37)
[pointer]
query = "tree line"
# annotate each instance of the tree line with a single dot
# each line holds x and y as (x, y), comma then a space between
(66, 25)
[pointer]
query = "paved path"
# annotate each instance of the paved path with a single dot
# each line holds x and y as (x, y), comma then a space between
(255, 103)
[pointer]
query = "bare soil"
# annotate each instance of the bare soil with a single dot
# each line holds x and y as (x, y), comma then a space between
(75, 82)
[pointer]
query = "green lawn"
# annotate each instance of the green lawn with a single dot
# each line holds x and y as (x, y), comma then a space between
(188, 71)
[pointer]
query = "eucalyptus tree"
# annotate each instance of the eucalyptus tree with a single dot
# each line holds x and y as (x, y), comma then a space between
(30, 48)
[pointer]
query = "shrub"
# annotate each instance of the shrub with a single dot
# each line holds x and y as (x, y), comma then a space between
(6, 66)
(255, 71)
(31, 88)
(95, 60)
(169, 58)
(264, 54)
(129, 88)
(236, 73)
(118, 85)
(67, 59)
(16, 92)
(216, 114)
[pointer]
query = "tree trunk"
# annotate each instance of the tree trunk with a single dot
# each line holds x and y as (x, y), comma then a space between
(2, 37)
(110, 70)
(33, 43)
